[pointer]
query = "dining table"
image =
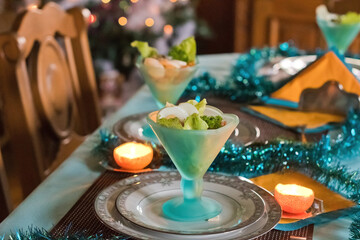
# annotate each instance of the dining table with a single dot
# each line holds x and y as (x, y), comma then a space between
(61, 190)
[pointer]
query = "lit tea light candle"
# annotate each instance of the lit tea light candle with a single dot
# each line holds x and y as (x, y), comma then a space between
(294, 198)
(133, 156)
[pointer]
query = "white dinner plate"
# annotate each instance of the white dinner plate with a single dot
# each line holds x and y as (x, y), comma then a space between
(142, 205)
(107, 212)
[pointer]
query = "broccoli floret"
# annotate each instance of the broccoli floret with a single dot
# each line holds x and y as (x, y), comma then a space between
(213, 122)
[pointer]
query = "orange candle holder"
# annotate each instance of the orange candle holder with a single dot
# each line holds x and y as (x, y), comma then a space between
(133, 155)
(294, 198)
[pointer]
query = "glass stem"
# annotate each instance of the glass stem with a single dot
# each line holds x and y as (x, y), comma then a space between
(192, 189)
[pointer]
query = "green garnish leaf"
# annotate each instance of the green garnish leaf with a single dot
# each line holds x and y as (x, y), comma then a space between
(350, 18)
(170, 122)
(185, 51)
(144, 49)
(214, 122)
(200, 106)
(194, 122)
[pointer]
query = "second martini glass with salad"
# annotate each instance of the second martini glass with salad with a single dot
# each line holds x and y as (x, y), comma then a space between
(339, 30)
(166, 76)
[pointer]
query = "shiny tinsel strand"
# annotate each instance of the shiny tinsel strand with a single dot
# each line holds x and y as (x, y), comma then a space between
(34, 233)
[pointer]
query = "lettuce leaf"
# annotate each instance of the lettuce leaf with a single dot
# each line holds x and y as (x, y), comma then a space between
(194, 122)
(350, 18)
(200, 106)
(185, 51)
(170, 122)
(144, 49)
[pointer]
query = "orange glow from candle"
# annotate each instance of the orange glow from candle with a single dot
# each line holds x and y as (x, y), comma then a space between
(133, 156)
(294, 198)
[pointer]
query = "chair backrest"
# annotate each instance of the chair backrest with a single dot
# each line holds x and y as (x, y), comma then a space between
(48, 88)
(277, 21)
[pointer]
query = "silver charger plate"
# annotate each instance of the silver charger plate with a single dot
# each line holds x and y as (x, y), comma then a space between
(142, 204)
(293, 65)
(135, 128)
(107, 212)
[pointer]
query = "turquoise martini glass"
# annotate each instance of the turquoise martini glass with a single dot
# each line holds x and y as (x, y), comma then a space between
(192, 152)
(338, 35)
(166, 85)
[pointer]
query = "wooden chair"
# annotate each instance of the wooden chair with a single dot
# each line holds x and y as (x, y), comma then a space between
(48, 89)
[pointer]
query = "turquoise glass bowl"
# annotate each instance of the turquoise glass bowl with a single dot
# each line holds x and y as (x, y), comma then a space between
(338, 35)
(168, 84)
(192, 152)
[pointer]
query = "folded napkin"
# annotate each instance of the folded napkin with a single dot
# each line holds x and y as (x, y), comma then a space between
(316, 97)
(328, 67)
(299, 120)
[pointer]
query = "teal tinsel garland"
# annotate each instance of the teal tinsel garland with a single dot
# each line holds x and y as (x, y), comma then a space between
(243, 84)
(355, 229)
(34, 233)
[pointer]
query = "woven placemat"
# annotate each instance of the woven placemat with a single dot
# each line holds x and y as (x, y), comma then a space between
(82, 216)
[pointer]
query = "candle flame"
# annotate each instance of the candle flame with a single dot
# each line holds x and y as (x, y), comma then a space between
(294, 189)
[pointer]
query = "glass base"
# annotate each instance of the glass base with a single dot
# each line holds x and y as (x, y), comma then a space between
(200, 209)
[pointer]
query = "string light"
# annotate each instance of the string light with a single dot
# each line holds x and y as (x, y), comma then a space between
(134, 1)
(32, 6)
(149, 22)
(168, 29)
(106, 1)
(122, 21)
(92, 18)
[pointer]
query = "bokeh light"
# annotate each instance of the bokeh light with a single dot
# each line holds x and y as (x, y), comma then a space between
(32, 6)
(92, 18)
(149, 22)
(168, 29)
(106, 1)
(122, 21)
